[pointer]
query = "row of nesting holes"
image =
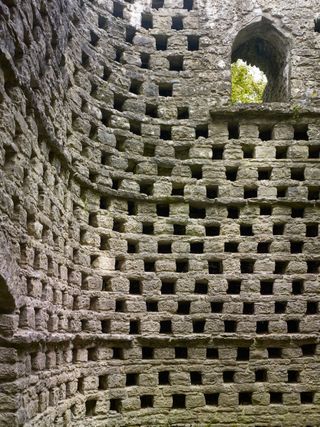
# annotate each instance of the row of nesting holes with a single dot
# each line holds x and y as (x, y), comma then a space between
(211, 399)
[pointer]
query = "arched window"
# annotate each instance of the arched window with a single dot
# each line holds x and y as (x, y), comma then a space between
(260, 44)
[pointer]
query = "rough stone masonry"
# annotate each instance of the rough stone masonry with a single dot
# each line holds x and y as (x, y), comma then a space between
(159, 246)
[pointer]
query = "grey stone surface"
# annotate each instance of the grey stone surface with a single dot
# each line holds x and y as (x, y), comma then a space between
(159, 247)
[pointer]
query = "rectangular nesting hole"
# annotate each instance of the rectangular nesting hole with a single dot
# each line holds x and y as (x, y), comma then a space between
(248, 308)
(147, 352)
(293, 326)
(91, 407)
(246, 230)
(149, 266)
(135, 127)
(198, 326)
(197, 212)
(293, 376)
(274, 352)
(177, 23)
(201, 287)
(148, 228)
(161, 41)
(152, 111)
(312, 230)
(177, 189)
(231, 247)
(164, 378)
(243, 353)
(165, 89)
(146, 401)
(215, 267)
(312, 307)
(280, 267)
(217, 152)
(281, 152)
(188, 4)
(308, 349)
(300, 132)
(146, 188)
(103, 382)
(266, 287)
(307, 397)
(261, 375)
(116, 405)
(94, 38)
(278, 229)
(212, 230)
(182, 113)
(102, 22)
(130, 33)
(135, 86)
(196, 171)
(152, 305)
(228, 376)
(230, 326)
(212, 191)
(265, 132)
(165, 327)
(313, 267)
(196, 247)
(248, 151)
(231, 173)
(179, 229)
(132, 379)
(216, 306)
(211, 399)
(233, 131)
(182, 153)
(178, 401)
(146, 20)
(195, 378)
(250, 192)
(262, 327)
(182, 265)
(118, 10)
(275, 398)
(234, 287)
(168, 287)
(317, 25)
(106, 326)
(193, 42)
(313, 193)
(135, 287)
(165, 132)
(164, 248)
(212, 353)
(280, 307)
(145, 60)
(121, 306)
(181, 352)
(157, 4)
(202, 131)
(183, 307)
(314, 151)
(245, 398)
(297, 212)
(175, 63)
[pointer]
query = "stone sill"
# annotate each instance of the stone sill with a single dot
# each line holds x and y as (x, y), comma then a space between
(279, 111)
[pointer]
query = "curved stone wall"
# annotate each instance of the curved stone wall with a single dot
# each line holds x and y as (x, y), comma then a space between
(159, 246)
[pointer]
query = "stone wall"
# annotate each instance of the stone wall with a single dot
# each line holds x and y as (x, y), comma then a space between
(159, 246)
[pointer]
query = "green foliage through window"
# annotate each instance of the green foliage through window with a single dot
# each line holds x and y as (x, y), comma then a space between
(248, 83)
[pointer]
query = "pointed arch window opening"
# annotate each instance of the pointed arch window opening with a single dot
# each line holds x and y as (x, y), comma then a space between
(263, 46)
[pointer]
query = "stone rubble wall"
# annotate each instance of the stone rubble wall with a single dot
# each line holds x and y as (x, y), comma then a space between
(159, 247)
